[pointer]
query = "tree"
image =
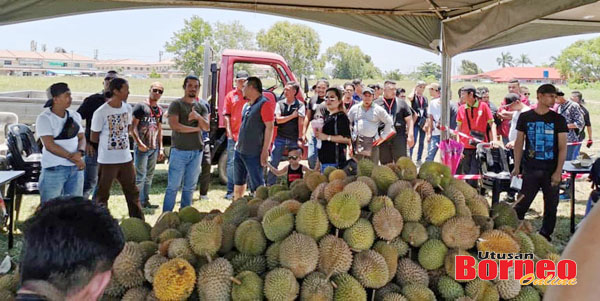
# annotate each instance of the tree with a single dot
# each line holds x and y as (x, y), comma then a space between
(580, 62)
(523, 60)
(429, 71)
(394, 75)
(232, 36)
(297, 43)
(350, 62)
(187, 45)
(505, 59)
(468, 68)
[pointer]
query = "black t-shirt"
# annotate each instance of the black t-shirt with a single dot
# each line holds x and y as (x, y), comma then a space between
(150, 118)
(453, 114)
(313, 104)
(541, 139)
(88, 107)
(398, 109)
(329, 149)
(586, 119)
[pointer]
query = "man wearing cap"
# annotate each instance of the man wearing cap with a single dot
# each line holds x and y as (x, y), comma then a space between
(234, 102)
(64, 146)
(289, 118)
(541, 148)
(86, 110)
(472, 120)
(365, 118)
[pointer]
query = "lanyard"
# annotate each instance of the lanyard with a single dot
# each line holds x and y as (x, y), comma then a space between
(390, 106)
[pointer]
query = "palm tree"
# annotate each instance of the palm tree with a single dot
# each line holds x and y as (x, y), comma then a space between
(523, 60)
(505, 59)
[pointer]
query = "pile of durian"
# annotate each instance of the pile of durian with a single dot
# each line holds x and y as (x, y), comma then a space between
(391, 233)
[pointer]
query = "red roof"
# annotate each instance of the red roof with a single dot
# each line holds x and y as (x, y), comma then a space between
(464, 77)
(522, 73)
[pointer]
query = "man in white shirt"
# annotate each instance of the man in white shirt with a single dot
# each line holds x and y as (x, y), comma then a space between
(64, 146)
(513, 103)
(433, 127)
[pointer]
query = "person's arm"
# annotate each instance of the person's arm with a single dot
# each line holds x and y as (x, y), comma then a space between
(300, 130)
(228, 126)
(590, 140)
(266, 143)
(281, 120)
(306, 123)
(518, 150)
(202, 118)
(308, 169)
(95, 137)
(275, 171)
(562, 156)
(388, 126)
(410, 138)
(178, 127)
(494, 137)
(136, 135)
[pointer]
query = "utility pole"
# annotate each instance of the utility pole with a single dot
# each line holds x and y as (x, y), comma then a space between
(160, 54)
(96, 54)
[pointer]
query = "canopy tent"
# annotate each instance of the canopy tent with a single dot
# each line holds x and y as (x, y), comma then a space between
(448, 27)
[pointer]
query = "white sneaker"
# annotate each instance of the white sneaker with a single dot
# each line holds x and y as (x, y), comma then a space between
(204, 197)
(419, 163)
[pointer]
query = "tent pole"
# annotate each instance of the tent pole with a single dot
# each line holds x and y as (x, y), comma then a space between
(445, 85)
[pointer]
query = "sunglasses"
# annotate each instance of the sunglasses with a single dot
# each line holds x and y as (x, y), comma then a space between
(293, 157)
(159, 91)
(527, 94)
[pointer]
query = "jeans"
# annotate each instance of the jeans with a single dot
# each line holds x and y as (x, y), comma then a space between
(532, 182)
(184, 166)
(124, 173)
(280, 145)
(433, 148)
(204, 179)
(325, 165)
(230, 155)
(313, 152)
(60, 181)
(418, 132)
(572, 152)
(144, 162)
(248, 167)
(90, 176)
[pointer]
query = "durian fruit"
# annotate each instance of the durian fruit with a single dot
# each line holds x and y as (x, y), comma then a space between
(274, 189)
(388, 223)
(180, 248)
(437, 209)
(454, 194)
(135, 229)
(432, 254)
(449, 289)
(113, 289)
(390, 288)
(370, 269)
(281, 285)
(467, 190)
(361, 192)
(365, 167)
(414, 234)
(360, 236)
(408, 202)
(367, 180)
(335, 256)
(390, 254)
(398, 186)
(434, 232)
(497, 241)
(152, 296)
(184, 228)
(10, 282)
(319, 193)
(337, 174)
(300, 191)
(244, 262)
(147, 248)
(541, 245)
(478, 205)
(189, 214)
(528, 293)
(408, 169)
(253, 206)
(282, 196)
(417, 292)
(332, 188)
(481, 290)
(410, 272)
(525, 242)
(394, 297)
(169, 234)
(343, 210)
(8, 295)
(313, 180)
(174, 280)
(214, 280)
(136, 293)
(227, 238)
(400, 245)
(316, 287)
(553, 256)
(328, 170)
(460, 232)
(383, 177)
(423, 188)
(438, 174)
(236, 213)
(508, 289)
(485, 223)
(348, 288)
(311, 220)
(292, 205)
(450, 263)
(167, 220)
(247, 287)
(379, 202)
(262, 192)
(272, 255)
(299, 253)
(504, 214)
(205, 238)
(127, 267)
(152, 265)
(265, 206)
(249, 238)
(462, 210)
(278, 223)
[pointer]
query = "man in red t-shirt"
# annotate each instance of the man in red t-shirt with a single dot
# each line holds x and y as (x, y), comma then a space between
(472, 119)
(234, 103)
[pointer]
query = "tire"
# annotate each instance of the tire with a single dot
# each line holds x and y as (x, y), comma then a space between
(223, 168)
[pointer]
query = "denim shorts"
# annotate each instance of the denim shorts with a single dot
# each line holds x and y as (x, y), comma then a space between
(249, 167)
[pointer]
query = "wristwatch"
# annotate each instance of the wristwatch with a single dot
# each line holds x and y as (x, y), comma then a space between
(329, 138)
(82, 152)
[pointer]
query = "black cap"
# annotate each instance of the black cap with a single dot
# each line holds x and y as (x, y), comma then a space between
(547, 88)
(55, 90)
(242, 75)
(510, 98)
(559, 92)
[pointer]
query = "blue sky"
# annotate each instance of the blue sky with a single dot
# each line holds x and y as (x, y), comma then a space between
(141, 34)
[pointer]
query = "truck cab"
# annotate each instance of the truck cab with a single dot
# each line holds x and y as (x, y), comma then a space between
(218, 80)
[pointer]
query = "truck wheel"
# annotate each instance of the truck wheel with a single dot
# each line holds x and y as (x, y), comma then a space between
(223, 168)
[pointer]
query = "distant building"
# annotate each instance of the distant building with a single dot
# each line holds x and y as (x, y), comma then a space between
(527, 75)
(134, 68)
